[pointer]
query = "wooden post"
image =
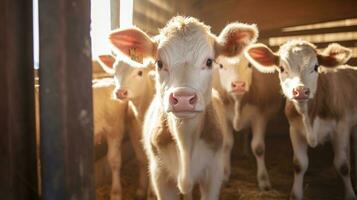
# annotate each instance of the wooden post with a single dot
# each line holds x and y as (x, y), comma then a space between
(115, 13)
(66, 100)
(18, 174)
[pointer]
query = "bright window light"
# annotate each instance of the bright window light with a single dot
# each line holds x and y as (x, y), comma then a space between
(126, 13)
(35, 34)
(100, 27)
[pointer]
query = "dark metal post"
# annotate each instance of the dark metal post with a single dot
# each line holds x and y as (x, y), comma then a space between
(18, 174)
(66, 100)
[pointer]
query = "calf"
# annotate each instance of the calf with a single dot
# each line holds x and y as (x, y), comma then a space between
(251, 99)
(134, 89)
(185, 132)
(320, 103)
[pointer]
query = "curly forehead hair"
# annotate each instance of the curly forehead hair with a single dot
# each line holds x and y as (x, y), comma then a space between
(182, 26)
(297, 45)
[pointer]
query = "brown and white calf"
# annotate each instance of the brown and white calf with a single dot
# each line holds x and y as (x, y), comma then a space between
(251, 99)
(135, 89)
(185, 132)
(321, 103)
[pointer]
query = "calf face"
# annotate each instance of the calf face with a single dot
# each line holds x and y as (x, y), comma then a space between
(185, 52)
(298, 63)
(130, 82)
(235, 74)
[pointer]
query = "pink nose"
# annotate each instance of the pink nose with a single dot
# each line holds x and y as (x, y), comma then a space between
(238, 86)
(183, 101)
(121, 93)
(301, 93)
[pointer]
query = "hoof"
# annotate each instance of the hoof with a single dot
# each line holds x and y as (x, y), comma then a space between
(293, 196)
(264, 183)
(115, 196)
(140, 195)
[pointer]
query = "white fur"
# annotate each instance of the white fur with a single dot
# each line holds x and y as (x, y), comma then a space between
(298, 60)
(109, 115)
(183, 47)
(249, 115)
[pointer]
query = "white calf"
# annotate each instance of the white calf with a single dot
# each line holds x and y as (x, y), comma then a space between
(251, 99)
(185, 132)
(321, 103)
(134, 88)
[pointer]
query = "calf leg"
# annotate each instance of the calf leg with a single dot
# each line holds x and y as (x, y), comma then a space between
(164, 188)
(227, 154)
(135, 138)
(258, 148)
(301, 162)
(114, 141)
(210, 185)
(341, 147)
(188, 196)
(354, 146)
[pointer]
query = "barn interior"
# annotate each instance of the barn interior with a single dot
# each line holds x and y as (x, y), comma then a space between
(278, 21)
(42, 151)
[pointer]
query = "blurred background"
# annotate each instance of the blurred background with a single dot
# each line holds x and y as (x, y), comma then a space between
(320, 22)
(46, 140)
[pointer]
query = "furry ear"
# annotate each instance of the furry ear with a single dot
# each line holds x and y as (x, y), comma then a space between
(334, 55)
(262, 57)
(234, 38)
(133, 41)
(107, 63)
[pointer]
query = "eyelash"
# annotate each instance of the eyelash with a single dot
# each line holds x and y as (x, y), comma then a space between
(316, 68)
(281, 69)
(209, 63)
(159, 64)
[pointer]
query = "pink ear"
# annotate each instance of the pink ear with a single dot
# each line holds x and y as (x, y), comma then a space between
(235, 37)
(107, 60)
(334, 55)
(262, 57)
(132, 40)
(107, 63)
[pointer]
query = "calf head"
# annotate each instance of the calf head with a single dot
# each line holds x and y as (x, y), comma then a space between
(130, 82)
(184, 53)
(298, 64)
(235, 74)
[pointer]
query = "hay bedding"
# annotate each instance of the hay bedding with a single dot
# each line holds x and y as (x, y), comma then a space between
(321, 180)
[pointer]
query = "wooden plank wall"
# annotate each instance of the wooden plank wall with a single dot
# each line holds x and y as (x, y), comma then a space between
(270, 15)
(65, 100)
(310, 33)
(18, 170)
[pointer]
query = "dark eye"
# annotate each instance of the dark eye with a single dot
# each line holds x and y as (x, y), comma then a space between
(221, 66)
(209, 63)
(249, 65)
(281, 69)
(159, 64)
(140, 73)
(316, 67)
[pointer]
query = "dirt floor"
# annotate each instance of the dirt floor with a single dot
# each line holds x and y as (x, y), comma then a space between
(321, 180)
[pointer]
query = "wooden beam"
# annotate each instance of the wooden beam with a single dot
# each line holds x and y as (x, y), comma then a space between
(66, 100)
(353, 62)
(274, 14)
(347, 43)
(280, 33)
(18, 167)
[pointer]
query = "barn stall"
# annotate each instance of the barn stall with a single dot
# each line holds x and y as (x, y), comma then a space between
(63, 162)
